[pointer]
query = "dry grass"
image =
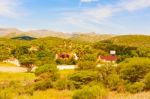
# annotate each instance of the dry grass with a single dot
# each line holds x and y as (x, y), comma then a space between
(48, 94)
(6, 64)
(16, 76)
(65, 73)
(56, 94)
(141, 95)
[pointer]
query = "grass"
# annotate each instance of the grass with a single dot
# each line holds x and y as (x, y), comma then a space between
(65, 73)
(16, 76)
(58, 94)
(66, 94)
(141, 95)
(6, 64)
(49, 94)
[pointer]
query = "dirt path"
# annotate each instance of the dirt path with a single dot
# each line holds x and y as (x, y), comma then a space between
(12, 69)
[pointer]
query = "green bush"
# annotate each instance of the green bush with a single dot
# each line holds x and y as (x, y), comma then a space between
(135, 87)
(94, 92)
(147, 81)
(83, 78)
(105, 71)
(43, 85)
(89, 57)
(61, 84)
(134, 69)
(47, 71)
(85, 65)
(114, 81)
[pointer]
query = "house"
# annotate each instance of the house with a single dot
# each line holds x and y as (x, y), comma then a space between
(110, 58)
(66, 56)
(12, 61)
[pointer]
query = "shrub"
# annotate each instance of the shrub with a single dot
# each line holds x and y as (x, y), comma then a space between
(147, 81)
(47, 71)
(94, 92)
(105, 71)
(85, 65)
(82, 78)
(135, 87)
(90, 57)
(43, 85)
(134, 69)
(61, 84)
(114, 81)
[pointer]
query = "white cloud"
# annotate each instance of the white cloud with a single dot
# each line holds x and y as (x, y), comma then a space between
(132, 5)
(87, 1)
(10, 8)
(102, 13)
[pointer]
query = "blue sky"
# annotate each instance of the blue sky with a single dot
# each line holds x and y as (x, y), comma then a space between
(100, 16)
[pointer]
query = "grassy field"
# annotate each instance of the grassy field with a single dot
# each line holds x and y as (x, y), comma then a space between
(56, 94)
(6, 64)
(141, 95)
(65, 73)
(60, 94)
(16, 76)
(48, 94)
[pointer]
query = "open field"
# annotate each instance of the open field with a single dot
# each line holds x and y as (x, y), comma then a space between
(7, 64)
(65, 94)
(48, 94)
(60, 94)
(12, 69)
(16, 76)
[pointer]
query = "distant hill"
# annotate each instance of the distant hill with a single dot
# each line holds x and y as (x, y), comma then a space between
(46, 33)
(7, 31)
(24, 38)
(13, 32)
(131, 40)
(90, 37)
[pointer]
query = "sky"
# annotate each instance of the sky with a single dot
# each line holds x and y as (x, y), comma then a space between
(100, 16)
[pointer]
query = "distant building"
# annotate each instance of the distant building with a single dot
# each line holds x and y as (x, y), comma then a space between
(62, 55)
(66, 56)
(12, 61)
(109, 58)
(112, 52)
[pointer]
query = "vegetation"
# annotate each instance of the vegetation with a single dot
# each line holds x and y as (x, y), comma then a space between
(92, 79)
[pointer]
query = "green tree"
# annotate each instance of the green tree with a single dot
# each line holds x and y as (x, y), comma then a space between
(134, 69)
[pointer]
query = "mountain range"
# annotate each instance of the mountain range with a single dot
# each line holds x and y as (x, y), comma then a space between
(87, 37)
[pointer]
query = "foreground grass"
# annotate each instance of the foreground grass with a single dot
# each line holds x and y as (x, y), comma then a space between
(65, 73)
(16, 76)
(48, 94)
(141, 95)
(55, 94)
(65, 94)
(7, 64)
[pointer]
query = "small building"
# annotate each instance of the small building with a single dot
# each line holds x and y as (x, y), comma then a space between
(66, 56)
(109, 58)
(66, 67)
(12, 61)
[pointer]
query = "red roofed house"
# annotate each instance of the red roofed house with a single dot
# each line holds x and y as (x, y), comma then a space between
(109, 58)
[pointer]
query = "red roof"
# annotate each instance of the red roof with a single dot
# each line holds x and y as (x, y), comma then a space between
(108, 58)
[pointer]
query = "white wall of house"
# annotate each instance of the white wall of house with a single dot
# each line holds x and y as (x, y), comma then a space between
(66, 67)
(13, 61)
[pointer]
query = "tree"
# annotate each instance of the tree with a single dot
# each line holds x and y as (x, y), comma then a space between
(134, 69)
